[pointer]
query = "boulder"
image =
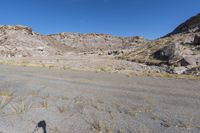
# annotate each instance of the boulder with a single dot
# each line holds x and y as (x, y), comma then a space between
(168, 52)
(179, 70)
(40, 48)
(192, 60)
(172, 53)
(189, 61)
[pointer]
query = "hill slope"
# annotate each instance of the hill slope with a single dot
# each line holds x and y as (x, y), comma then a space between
(190, 25)
(21, 41)
(178, 52)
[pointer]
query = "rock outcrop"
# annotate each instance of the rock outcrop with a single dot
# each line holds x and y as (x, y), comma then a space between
(14, 29)
(191, 25)
(179, 50)
(172, 52)
(169, 52)
(20, 41)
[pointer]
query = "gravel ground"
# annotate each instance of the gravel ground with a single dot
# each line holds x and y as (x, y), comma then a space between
(89, 102)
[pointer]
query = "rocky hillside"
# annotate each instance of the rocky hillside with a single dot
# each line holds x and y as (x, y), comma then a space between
(178, 52)
(21, 41)
(93, 42)
(87, 41)
(191, 25)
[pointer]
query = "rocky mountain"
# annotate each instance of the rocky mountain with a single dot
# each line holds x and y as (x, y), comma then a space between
(191, 25)
(178, 51)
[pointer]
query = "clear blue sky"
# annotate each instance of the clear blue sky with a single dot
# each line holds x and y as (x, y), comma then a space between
(148, 18)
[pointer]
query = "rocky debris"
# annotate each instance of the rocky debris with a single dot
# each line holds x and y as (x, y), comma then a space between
(115, 52)
(179, 70)
(193, 71)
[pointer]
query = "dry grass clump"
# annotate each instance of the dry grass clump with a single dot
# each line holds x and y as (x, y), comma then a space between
(6, 93)
(5, 97)
(96, 125)
(21, 106)
(66, 67)
(44, 103)
(163, 75)
(101, 69)
(61, 108)
(35, 93)
(142, 129)
(24, 62)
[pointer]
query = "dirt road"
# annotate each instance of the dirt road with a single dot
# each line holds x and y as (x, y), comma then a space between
(86, 102)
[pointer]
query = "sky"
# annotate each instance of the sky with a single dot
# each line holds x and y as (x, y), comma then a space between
(148, 18)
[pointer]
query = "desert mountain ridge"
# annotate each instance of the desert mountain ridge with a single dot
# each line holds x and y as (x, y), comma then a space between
(18, 36)
(191, 25)
(177, 52)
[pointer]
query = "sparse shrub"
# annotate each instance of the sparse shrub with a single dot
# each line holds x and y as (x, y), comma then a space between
(61, 108)
(24, 62)
(66, 68)
(51, 66)
(5, 93)
(44, 103)
(100, 69)
(21, 107)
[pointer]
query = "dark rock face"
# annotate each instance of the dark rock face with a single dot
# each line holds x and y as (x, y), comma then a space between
(190, 25)
(196, 40)
(166, 53)
(177, 55)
